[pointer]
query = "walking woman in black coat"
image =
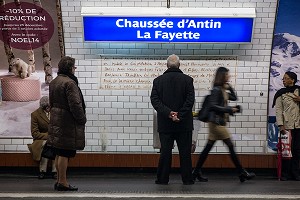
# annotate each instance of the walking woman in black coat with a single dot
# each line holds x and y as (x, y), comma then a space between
(218, 118)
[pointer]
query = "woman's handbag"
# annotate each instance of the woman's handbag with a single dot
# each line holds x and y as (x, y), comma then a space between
(48, 152)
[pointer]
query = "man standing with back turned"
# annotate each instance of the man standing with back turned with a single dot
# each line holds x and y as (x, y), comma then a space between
(173, 98)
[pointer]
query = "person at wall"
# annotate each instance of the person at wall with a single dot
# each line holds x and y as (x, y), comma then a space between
(286, 102)
(68, 118)
(39, 131)
(218, 118)
(172, 96)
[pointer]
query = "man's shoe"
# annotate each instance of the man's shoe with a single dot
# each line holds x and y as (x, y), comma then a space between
(188, 182)
(61, 187)
(283, 178)
(198, 175)
(160, 183)
(41, 175)
(296, 178)
(55, 186)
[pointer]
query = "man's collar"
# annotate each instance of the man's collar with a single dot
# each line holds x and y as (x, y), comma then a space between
(173, 70)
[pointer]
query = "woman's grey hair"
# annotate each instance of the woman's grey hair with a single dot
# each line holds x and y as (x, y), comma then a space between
(44, 102)
(173, 61)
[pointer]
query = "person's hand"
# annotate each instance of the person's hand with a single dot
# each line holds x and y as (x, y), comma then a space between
(282, 130)
(175, 119)
(296, 98)
(234, 109)
(173, 114)
(227, 86)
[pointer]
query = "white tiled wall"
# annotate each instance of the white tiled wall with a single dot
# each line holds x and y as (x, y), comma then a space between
(122, 120)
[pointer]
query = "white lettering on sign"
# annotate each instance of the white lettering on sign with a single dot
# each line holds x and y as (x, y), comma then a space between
(164, 24)
(171, 36)
(143, 34)
(186, 23)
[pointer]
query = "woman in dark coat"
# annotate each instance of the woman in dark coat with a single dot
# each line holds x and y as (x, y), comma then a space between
(218, 118)
(68, 118)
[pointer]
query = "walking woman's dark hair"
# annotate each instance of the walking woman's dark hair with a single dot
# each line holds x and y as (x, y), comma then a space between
(220, 76)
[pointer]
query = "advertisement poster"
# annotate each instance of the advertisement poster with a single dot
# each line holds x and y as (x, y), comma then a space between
(285, 57)
(31, 45)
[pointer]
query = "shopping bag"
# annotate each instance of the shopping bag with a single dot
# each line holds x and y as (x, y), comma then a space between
(286, 143)
(283, 150)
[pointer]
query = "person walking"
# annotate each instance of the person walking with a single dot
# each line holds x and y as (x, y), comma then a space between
(217, 120)
(68, 118)
(172, 96)
(39, 131)
(286, 102)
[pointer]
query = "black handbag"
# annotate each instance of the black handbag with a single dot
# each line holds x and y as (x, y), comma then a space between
(48, 152)
(203, 114)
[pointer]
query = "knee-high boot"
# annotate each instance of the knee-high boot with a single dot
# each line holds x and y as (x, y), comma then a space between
(243, 173)
(197, 173)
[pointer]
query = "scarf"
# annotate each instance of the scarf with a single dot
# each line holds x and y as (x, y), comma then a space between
(284, 91)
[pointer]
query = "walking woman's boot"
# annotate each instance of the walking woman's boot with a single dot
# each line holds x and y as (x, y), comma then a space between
(198, 175)
(244, 175)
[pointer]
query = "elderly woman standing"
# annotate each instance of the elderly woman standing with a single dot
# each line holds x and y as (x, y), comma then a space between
(39, 131)
(68, 118)
(286, 101)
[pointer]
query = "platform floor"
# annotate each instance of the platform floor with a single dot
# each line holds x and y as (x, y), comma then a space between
(140, 185)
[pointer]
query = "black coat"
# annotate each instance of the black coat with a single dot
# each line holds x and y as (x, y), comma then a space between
(173, 91)
(217, 105)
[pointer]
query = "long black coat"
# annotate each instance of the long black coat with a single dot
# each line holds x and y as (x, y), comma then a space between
(173, 91)
(67, 121)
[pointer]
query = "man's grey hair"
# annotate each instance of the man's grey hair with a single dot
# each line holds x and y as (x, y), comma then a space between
(44, 102)
(173, 61)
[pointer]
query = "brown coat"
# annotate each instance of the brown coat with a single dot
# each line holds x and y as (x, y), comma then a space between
(39, 132)
(67, 122)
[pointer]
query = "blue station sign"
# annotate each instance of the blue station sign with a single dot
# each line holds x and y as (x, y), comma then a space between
(165, 29)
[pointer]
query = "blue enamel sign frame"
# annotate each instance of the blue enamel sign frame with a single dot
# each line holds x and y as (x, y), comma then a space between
(167, 29)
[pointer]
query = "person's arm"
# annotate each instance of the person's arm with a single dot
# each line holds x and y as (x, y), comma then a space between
(157, 103)
(217, 94)
(35, 132)
(279, 113)
(75, 103)
(232, 94)
(186, 109)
